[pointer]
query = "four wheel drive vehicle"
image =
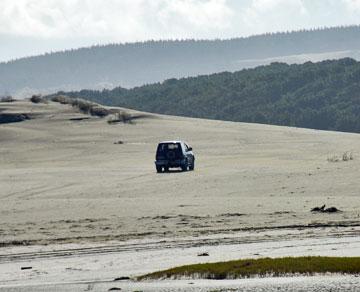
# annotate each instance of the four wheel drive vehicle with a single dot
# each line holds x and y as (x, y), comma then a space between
(174, 154)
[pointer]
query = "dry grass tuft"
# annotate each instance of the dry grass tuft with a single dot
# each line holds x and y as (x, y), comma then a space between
(346, 156)
(333, 158)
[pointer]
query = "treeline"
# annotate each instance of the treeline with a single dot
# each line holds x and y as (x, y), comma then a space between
(324, 95)
(136, 64)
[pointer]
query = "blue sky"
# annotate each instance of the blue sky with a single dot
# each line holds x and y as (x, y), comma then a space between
(29, 27)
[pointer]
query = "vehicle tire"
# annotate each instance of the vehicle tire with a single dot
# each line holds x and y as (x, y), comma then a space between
(185, 166)
(166, 169)
(192, 166)
(158, 169)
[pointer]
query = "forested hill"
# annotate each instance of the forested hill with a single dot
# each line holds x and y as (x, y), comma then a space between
(324, 95)
(136, 64)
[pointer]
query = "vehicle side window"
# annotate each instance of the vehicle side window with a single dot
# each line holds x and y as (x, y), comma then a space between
(186, 148)
(160, 148)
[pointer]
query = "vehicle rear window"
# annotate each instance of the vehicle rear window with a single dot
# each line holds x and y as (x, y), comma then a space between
(164, 147)
(172, 146)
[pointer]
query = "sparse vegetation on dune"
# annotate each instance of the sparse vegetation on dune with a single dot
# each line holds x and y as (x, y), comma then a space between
(84, 106)
(94, 109)
(262, 267)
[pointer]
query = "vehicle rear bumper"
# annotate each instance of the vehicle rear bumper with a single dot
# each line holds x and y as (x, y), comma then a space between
(168, 163)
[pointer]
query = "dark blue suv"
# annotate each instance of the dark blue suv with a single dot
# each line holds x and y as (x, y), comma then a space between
(171, 154)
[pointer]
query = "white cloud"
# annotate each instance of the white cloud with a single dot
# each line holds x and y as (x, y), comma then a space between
(119, 19)
(130, 20)
(277, 6)
(352, 5)
(274, 15)
(213, 14)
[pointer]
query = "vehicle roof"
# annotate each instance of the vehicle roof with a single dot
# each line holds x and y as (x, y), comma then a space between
(172, 141)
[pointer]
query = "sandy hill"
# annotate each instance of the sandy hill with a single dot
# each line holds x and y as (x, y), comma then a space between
(65, 179)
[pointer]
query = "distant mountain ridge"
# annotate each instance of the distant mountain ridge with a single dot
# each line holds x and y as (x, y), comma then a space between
(324, 95)
(136, 64)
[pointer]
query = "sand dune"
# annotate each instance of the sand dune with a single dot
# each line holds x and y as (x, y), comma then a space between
(63, 179)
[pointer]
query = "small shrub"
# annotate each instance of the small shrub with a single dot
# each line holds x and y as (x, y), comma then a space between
(37, 99)
(61, 99)
(82, 105)
(99, 111)
(7, 99)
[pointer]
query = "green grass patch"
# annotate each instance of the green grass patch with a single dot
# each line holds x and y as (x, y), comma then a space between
(261, 267)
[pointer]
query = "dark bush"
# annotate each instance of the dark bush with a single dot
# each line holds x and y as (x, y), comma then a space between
(6, 118)
(37, 99)
(7, 99)
(82, 105)
(99, 111)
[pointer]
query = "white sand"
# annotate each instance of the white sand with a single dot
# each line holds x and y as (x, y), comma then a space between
(71, 267)
(103, 211)
(66, 181)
